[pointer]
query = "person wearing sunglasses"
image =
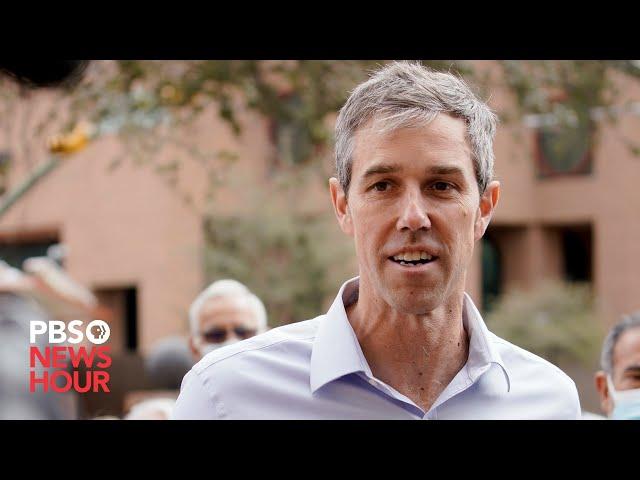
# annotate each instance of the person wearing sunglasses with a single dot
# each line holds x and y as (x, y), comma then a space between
(223, 314)
(618, 383)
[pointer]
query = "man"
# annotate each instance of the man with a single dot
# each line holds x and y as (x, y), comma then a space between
(223, 314)
(401, 341)
(618, 382)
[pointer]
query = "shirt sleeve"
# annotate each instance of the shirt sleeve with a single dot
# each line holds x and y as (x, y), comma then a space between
(194, 401)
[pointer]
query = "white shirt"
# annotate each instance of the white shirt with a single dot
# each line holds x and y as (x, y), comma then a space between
(315, 369)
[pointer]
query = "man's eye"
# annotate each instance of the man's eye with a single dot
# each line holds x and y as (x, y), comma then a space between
(381, 186)
(441, 186)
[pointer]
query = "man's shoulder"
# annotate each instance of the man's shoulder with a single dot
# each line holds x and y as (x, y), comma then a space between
(275, 341)
(521, 362)
(234, 379)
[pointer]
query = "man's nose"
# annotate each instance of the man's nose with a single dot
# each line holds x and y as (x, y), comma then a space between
(414, 215)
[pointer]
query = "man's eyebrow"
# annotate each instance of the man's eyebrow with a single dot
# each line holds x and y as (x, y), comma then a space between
(380, 169)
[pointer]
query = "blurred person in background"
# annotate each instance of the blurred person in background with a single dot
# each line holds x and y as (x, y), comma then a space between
(223, 314)
(167, 363)
(43, 292)
(16, 401)
(152, 409)
(618, 383)
(415, 190)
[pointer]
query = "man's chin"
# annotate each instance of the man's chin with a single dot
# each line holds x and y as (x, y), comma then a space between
(412, 302)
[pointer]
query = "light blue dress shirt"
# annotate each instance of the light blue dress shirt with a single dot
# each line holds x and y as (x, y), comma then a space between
(315, 369)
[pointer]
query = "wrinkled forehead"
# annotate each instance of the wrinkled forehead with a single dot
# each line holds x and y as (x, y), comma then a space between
(441, 129)
(441, 137)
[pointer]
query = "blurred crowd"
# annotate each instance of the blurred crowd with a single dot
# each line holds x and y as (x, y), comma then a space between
(224, 313)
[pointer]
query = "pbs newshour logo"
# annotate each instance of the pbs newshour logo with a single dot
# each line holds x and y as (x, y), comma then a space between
(97, 331)
(66, 359)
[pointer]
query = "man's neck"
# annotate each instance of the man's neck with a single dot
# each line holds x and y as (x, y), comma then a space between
(418, 355)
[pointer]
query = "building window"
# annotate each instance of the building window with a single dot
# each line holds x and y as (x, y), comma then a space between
(15, 252)
(577, 247)
(563, 150)
(123, 303)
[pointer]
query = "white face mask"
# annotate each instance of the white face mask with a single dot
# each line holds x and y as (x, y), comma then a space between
(626, 403)
(205, 348)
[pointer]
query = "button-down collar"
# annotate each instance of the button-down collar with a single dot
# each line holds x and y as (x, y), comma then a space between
(336, 350)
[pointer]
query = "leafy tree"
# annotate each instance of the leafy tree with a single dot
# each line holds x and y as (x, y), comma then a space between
(557, 321)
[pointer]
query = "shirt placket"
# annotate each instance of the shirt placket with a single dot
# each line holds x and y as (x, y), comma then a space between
(393, 393)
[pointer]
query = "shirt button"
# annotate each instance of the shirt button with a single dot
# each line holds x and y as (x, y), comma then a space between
(373, 382)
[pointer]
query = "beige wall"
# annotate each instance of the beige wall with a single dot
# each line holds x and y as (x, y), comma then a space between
(608, 199)
(122, 229)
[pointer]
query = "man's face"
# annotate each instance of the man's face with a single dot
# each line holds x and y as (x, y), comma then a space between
(224, 319)
(413, 194)
(626, 368)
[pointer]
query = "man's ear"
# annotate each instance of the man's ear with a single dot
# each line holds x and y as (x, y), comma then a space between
(340, 206)
(488, 201)
(606, 402)
(194, 350)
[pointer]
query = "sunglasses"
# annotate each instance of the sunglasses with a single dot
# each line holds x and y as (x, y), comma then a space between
(219, 335)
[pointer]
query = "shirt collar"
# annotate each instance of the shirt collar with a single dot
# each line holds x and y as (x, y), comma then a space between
(336, 351)
(482, 351)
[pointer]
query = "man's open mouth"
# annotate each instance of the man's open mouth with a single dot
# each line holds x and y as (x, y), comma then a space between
(413, 258)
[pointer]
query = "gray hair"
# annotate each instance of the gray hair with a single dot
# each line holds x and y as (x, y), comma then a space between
(168, 362)
(405, 94)
(628, 322)
(227, 288)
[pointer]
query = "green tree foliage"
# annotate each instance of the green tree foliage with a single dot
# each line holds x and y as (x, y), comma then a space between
(294, 261)
(557, 321)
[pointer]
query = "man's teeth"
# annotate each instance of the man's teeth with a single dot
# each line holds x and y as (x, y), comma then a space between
(413, 256)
